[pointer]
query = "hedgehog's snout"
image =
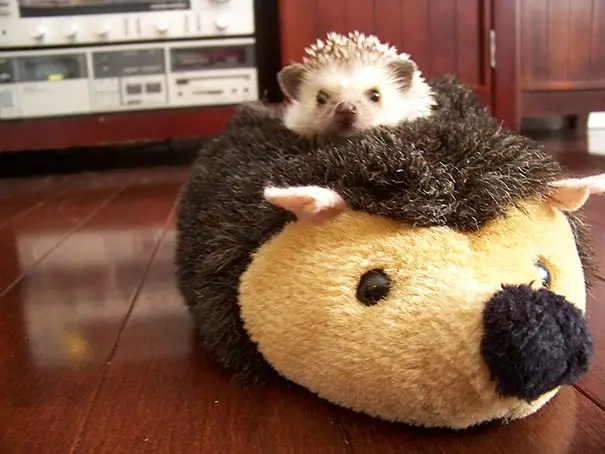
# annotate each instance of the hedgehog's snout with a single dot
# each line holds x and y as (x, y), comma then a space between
(346, 113)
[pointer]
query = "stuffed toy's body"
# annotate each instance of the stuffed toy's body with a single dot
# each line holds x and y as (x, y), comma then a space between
(432, 273)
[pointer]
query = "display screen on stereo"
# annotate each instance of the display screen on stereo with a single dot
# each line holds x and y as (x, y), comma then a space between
(199, 58)
(7, 71)
(44, 8)
(51, 68)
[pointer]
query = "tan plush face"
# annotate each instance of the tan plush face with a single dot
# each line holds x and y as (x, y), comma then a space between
(415, 355)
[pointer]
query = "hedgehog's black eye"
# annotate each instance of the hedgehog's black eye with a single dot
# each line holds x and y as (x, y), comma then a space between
(373, 287)
(373, 95)
(544, 274)
(322, 97)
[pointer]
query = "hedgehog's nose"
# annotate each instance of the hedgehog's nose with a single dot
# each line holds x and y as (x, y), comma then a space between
(534, 341)
(346, 111)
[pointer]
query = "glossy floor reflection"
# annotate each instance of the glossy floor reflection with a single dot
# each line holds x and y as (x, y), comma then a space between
(96, 352)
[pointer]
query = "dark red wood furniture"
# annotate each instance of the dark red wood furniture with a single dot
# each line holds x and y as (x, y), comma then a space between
(98, 130)
(555, 57)
(440, 35)
(522, 57)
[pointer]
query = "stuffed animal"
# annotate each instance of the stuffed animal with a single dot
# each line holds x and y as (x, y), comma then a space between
(431, 273)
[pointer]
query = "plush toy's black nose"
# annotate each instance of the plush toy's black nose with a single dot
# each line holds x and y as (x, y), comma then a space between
(534, 341)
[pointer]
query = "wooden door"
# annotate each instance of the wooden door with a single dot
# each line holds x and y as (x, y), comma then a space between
(550, 58)
(442, 36)
(562, 56)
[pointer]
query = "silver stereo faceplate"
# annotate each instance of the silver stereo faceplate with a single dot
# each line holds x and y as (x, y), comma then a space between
(40, 23)
(130, 77)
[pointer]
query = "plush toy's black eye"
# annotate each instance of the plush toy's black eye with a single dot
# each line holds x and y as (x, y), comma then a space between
(374, 95)
(322, 97)
(373, 287)
(544, 273)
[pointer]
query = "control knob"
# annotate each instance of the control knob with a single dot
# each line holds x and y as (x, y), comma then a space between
(161, 27)
(103, 30)
(39, 32)
(71, 32)
(222, 22)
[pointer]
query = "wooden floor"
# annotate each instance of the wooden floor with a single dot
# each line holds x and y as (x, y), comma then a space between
(96, 351)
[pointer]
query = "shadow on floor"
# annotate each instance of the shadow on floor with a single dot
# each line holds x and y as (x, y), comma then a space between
(53, 162)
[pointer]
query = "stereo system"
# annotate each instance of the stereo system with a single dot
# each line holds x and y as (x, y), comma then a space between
(104, 79)
(72, 57)
(37, 23)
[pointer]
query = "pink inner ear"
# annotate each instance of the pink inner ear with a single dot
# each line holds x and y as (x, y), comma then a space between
(572, 194)
(307, 202)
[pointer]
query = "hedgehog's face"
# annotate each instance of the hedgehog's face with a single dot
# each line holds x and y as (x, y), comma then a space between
(426, 325)
(343, 99)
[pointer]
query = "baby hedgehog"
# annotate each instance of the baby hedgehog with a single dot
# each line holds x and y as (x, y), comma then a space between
(350, 83)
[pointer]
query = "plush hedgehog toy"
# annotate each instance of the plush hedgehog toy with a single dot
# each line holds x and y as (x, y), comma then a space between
(431, 273)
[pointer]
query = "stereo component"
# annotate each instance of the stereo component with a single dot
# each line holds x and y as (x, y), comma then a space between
(45, 83)
(39, 23)
(129, 78)
(190, 81)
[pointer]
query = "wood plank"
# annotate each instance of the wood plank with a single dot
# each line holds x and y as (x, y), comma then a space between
(442, 36)
(360, 15)
(331, 17)
(416, 32)
(558, 38)
(59, 324)
(580, 37)
(176, 399)
(388, 17)
(298, 28)
(567, 85)
(60, 214)
(469, 41)
(597, 48)
(534, 43)
(18, 196)
(506, 99)
(563, 102)
(526, 48)
(570, 423)
(115, 128)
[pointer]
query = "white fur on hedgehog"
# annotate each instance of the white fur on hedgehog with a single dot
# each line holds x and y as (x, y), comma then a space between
(349, 65)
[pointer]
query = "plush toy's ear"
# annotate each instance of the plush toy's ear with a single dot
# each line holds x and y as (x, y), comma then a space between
(307, 202)
(402, 70)
(572, 194)
(290, 79)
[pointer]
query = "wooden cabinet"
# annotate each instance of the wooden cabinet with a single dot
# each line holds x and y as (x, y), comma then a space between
(548, 55)
(442, 36)
(561, 57)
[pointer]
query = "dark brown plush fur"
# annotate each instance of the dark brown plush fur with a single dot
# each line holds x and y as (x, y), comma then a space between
(457, 169)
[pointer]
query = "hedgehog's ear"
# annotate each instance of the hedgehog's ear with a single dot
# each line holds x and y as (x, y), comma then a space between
(290, 78)
(307, 202)
(572, 194)
(402, 70)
